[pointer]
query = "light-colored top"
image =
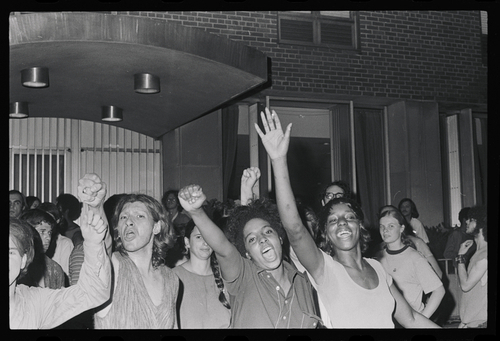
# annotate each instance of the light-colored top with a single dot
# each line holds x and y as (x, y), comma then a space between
(44, 308)
(352, 306)
(63, 251)
(413, 275)
(474, 304)
(419, 229)
(198, 302)
(322, 309)
(132, 307)
(258, 301)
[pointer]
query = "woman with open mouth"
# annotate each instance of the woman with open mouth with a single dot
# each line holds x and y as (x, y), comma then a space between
(357, 291)
(265, 290)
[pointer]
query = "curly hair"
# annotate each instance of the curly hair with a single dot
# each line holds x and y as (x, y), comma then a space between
(162, 242)
(264, 209)
(324, 242)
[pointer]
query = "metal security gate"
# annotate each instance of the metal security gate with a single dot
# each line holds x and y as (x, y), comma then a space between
(47, 157)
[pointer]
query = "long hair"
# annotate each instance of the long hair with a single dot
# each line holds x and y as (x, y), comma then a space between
(162, 242)
(324, 242)
(37, 268)
(22, 236)
(214, 265)
(264, 209)
(396, 214)
(414, 211)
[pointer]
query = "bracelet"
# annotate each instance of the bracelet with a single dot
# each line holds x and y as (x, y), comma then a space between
(460, 259)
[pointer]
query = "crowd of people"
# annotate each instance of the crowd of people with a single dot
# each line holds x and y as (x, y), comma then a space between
(134, 262)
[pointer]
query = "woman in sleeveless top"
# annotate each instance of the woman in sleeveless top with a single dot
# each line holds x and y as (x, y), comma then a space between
(338, 268)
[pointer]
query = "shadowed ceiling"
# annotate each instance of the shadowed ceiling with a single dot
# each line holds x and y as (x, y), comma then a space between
(92, 59)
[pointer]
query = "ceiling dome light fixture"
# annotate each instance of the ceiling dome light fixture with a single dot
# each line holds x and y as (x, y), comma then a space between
(35, 77)
(111, 113)
(18, 110)
(146, 83)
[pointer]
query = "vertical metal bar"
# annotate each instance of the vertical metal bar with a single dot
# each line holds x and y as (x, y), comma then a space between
(11, 146)
(42, 176)
(56, 171)
(35, 156)
(50, 159)
(27, 172)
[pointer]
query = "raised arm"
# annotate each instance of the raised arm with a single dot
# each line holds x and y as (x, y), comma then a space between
(276, 143)
(191, 198)
(92, 192)
(249, 178)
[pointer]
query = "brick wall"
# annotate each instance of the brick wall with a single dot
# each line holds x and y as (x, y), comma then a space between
(419, 55)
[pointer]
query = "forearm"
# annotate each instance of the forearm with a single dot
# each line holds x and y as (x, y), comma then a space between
(99, 210)
(420, 321)
(212, 234)
(433, 302)
(286, 201)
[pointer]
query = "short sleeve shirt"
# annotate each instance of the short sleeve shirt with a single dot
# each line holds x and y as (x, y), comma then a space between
(258, 301)
(412, 274)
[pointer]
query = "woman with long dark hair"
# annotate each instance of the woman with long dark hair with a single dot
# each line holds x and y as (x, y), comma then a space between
(202, 302)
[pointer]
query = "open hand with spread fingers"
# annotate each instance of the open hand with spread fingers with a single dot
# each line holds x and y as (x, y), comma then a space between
(274, 140)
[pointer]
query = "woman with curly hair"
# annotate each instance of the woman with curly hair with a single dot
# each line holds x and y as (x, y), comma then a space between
(265, 290)
(356, 291)
(144, 289)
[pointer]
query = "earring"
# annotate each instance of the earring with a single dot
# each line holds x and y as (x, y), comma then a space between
(248, 256)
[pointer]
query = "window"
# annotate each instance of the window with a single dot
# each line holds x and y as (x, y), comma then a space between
(336, 29)
(49, 155)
